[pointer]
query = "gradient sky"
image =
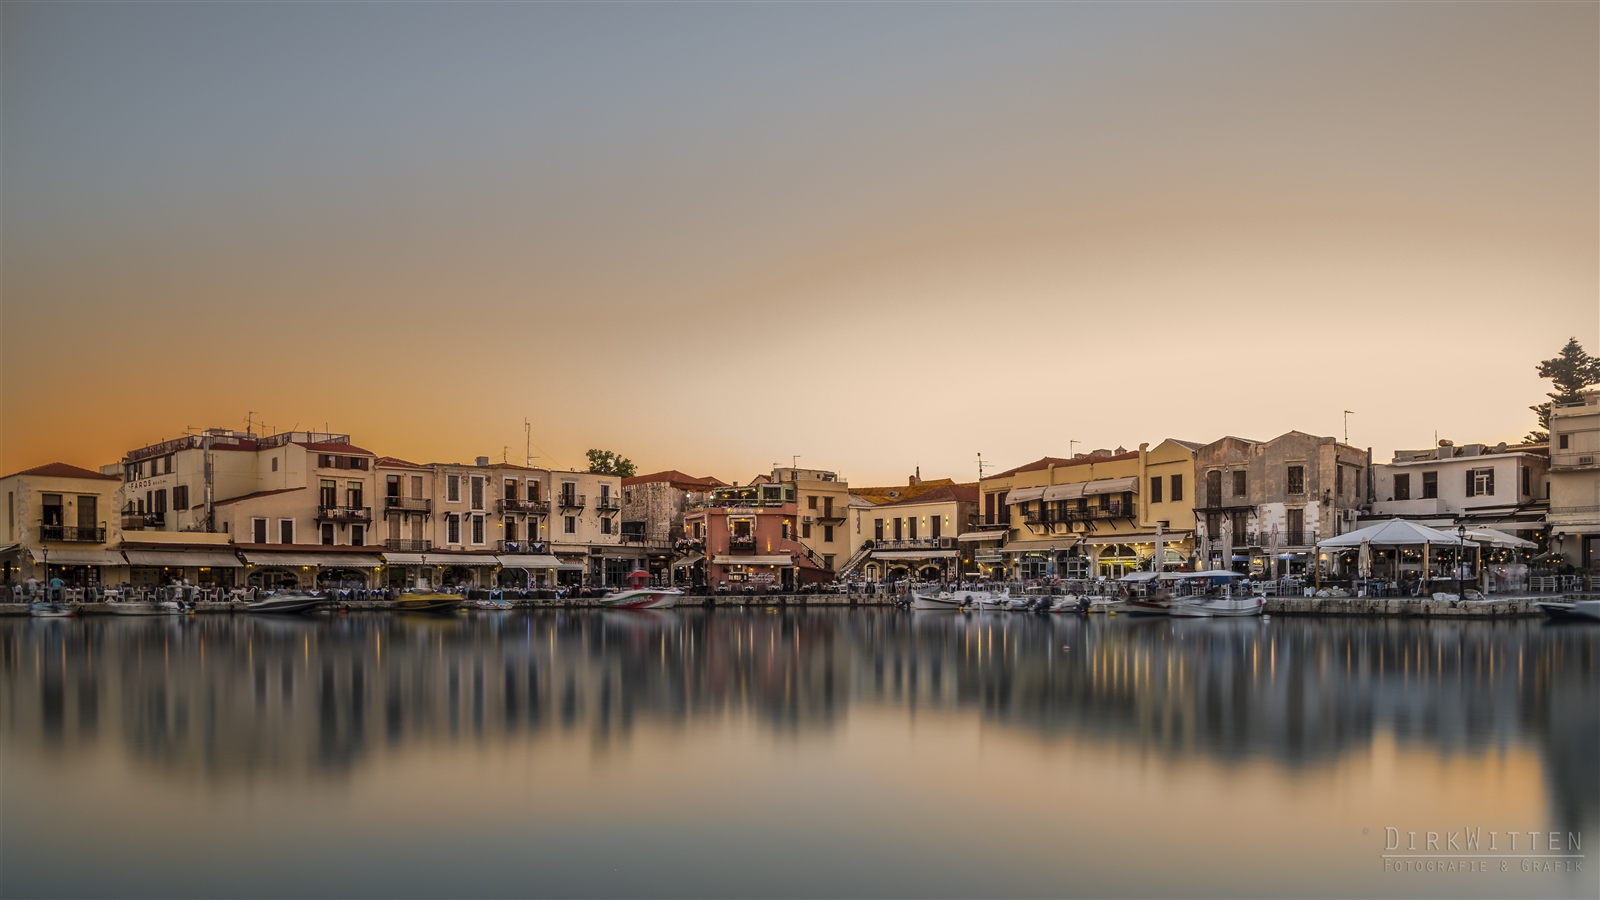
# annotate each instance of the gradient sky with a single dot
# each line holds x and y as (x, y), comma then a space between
(711, 236)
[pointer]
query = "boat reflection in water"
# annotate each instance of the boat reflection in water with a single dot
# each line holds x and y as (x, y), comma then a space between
(758, 751)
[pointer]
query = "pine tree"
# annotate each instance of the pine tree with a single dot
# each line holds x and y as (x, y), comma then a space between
(1570, 371)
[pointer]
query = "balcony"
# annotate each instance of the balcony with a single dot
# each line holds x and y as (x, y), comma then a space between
(639, 540)
(522, 547)
(132, 521)
(407, 505)
(1574, 459)
(408, 545)
(511, 506)
(70, 534)
(344, 513)
(607, 504)
(1574, 514)
(742, 543)
(830, 517)
(916, 543)
(571, 501)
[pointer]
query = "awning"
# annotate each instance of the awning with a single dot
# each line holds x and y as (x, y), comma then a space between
(1063, 492)
(403, 559)
(1575, 529)
(529, 561)
(1168, 537)
(82, 557)
(913, 554)
(998, 535)
(571, 567)
(464, 559)
(325, 560)
(753, 561)
(1023, 495)
(569, 549)
(1112, 485)
(689, 560)
(213, 559)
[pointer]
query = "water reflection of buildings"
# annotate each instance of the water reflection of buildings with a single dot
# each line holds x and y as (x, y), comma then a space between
(230, 696)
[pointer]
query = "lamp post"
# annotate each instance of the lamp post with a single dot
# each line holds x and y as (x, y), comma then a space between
(1461, 558)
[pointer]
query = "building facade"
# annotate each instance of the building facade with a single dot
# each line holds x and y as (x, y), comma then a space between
(61, 522)
(1504, 488)
(1574, 514)
(653, 510)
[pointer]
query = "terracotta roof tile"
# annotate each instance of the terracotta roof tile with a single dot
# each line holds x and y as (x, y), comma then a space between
(334, 448)
(65, 470)
(677, 479)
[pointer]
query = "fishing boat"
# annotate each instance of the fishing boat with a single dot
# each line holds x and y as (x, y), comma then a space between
(948, 599)
(492, 603)
(1107, 604)
(49, 609)
(143, 607)
(1218, 594)
(287, 602)
(641, 595)
(428, 603)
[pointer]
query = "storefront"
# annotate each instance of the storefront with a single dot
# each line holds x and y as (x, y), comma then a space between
(303, 570)
(210, 567)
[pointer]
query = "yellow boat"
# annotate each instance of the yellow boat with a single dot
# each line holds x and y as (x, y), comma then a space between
(431, 603)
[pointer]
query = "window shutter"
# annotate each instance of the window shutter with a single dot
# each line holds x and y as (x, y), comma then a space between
(1490, 484)
(1469, 484)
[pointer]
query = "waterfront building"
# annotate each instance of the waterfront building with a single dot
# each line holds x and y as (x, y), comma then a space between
(749, 535)
(1574, 514)
(1096, 514)
(1262, 506)
(1504, 488)
(822, 498)
(911, 532)
(653, 509)
(586, 530)
(60, 522)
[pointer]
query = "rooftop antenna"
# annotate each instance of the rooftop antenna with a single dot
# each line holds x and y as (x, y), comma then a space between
(249, 420)
(1070, 445)
(505, 453)
(980, 466)
(1347, 415)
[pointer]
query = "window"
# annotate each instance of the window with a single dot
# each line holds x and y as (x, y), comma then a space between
(1214, 525)
(605, 525)
(358, 462)
(1480, 482)
(1297, 527)
(805, 530)
(1297, 480)
(452, 528)
(699, 530)
(353, 492)
(811, 502)
(899, 524)
(1402, 486)
(569, 524)
(1430, 485)
(1241, 527)
(1177, 488)
(827, 507)
(180, 497)
(358, 534)
(327, 533)
(161, 502)
(1561, 440)
(988, 514)
(1214, 487)
(416, 487)
(274, 464)
(477, 492)
(477, 529)
(330, 493)
(324, 461)
(936, 532)
(533, 491)
(452, 488)
(391, 486)
(627, 495)
(285, 531)
(1526, 481)
(827, 561)
(1338, 479)
(510, 528)
(877, 525)
(509, 489)
(1241, 483)
(258, 530)
(1155, 489)
(827, 531)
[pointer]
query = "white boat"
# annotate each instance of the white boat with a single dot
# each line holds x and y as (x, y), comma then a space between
(948, 600)
(1021, 604)
(49, 609)
(1210, 607)
(143, 608)
(1107, 604)
(1066, 604)
(500, 603)
(286, 602)
(642, 598)
(1589, 609)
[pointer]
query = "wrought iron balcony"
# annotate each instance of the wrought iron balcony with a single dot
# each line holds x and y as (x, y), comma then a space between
(407, 505)
(408, 545)
(530, 507)
(344, 513)
(608, 503)
(742, 543)
(530, 547)
(916, 543)
(72, 534)
(571, 501)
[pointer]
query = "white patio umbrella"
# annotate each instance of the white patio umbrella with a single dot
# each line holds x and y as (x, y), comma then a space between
(1364, 561)
(1160, 557)
(1393, 533)
(1485, 535)
(1272, 553)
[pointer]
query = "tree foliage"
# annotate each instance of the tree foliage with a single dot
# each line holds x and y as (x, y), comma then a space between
(604, 462)
(1571, 370)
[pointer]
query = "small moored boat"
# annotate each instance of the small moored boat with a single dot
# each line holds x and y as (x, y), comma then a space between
(143, 607)
(49, 609)
(428, 603)
(641, 595)
(287, 602)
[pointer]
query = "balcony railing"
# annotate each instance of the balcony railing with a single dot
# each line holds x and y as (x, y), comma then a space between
(1575, 459)
(140, 521)
(916, 543)
(639, 540)
(531, 507)
(72, 534)
(344, 513)
(607, 504)
(1574, 510)
(571, 501)
(407, 504)
(408, 545)
(530, 547)
(742, 543)
(830, 517)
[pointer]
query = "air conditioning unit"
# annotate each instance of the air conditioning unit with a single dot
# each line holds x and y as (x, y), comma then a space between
(1350, 515)
(807, 520)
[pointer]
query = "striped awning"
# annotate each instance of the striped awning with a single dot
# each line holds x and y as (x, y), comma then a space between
(78, 556)
(996, 535)
(1023, 495)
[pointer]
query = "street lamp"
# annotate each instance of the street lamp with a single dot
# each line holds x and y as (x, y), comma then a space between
(1461, 558)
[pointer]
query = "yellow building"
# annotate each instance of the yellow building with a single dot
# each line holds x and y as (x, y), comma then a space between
(911, 531)
(60, 522)
(1096, 514)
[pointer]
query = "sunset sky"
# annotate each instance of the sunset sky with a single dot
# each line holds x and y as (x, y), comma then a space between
(713, 236)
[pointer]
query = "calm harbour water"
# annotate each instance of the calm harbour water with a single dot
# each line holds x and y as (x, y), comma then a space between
(791, 753)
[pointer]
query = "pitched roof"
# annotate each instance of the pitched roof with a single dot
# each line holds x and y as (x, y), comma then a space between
(879, 496)
(941, 493)
(257, 494)
(1192, 445)
(1048, 461)
(395, 462)
(334, 448)
(677, 479)
(64, 470)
